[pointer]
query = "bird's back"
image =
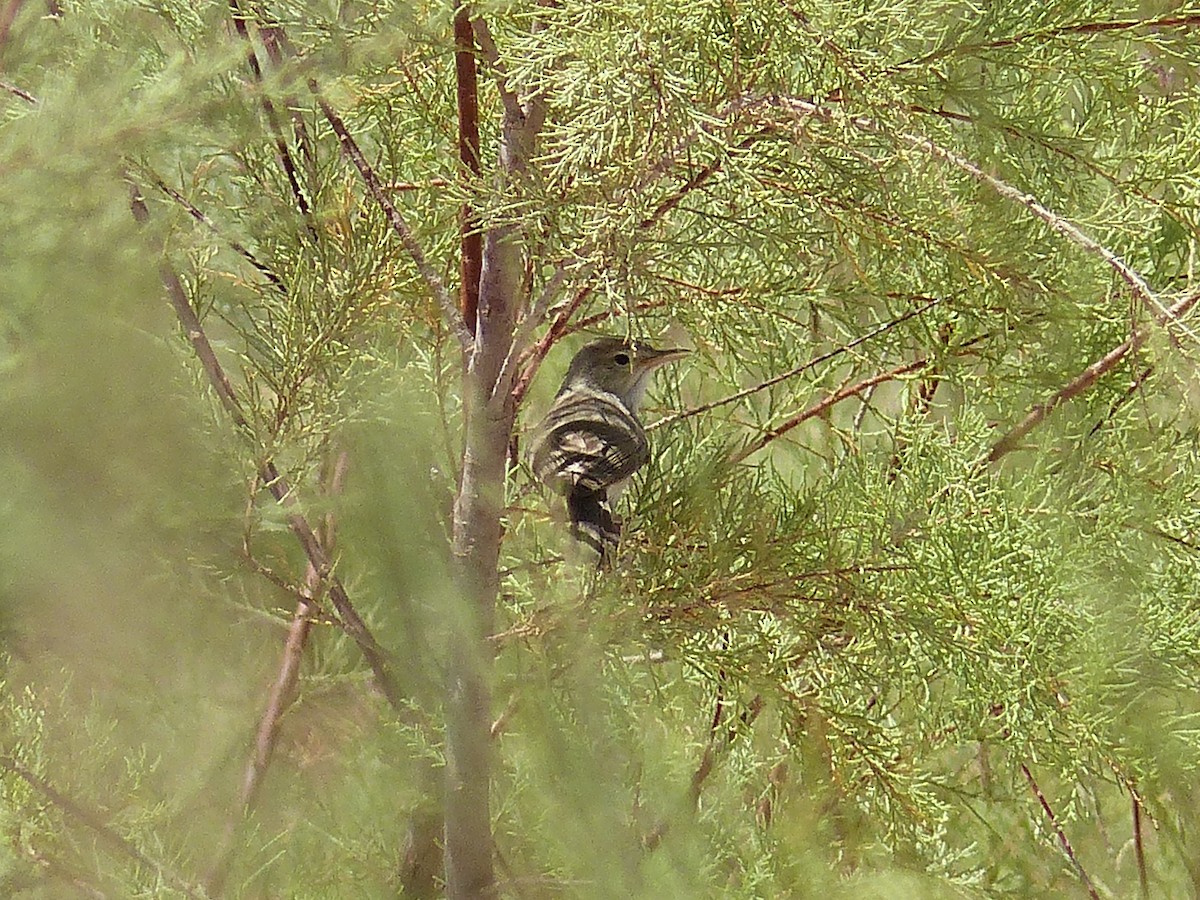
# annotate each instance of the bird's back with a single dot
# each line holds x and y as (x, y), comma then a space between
(590, 440)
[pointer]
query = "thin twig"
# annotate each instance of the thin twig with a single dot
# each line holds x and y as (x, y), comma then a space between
(278, 47)
(466, 338)
(798, 370)
(19, 92)
(240, 19)
(1139, 846)
(1083, 381)
(816, 409)
(1134, 387)
(1047, 34)
(532, 358)
(203, 219)
(102, 829)
(1062, 835)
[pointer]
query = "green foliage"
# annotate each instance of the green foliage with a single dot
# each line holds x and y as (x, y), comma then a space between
(844, 663)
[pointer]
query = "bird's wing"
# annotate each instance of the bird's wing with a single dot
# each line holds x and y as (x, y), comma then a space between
(590, 441)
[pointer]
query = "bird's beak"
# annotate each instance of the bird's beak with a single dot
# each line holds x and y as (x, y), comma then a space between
(650, 359)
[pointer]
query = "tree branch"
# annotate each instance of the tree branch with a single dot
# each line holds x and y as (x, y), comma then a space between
(200, 217)
(350, 622)
(240, 19)
(487, 45)
(1062, 835)
(1084, 380)
(8, 15)
(800, 369)
(579, 258)
(820, 407)
(466, 337)
(467, 94)
(1057, 223)
(18, 92)
(283, 690)
(1049, 34)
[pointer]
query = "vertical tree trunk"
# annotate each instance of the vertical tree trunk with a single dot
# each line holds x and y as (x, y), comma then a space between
(478, 512)
(478, 529)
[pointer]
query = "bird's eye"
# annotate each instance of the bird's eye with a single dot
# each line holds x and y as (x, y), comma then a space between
(621, 359)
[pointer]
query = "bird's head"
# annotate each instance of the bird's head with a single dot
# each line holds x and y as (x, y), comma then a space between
(618, 367)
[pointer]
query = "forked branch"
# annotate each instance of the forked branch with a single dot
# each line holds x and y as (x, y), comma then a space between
(351, 622)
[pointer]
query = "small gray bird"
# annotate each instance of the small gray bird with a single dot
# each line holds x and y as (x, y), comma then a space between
(591, 442)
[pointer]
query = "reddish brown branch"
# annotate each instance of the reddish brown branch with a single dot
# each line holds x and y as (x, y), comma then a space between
(694, 183)
(1084, 380)
(540, 308)
(467, 94)
(1062, 835)
(817, 409)
(800, 369)
(534, 356)
(95, 823)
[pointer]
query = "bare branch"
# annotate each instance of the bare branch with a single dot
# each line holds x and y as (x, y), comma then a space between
(283, 690)
(1084, 380)
(18, 92)
(1062, 835)
(8, 15)
(466, 338)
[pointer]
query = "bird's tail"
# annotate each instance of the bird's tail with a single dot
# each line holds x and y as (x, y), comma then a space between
(592, 522)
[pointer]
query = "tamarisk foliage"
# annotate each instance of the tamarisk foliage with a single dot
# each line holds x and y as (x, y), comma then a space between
(906, 599)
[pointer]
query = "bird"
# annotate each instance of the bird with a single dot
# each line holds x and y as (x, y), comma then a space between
(591, 442)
